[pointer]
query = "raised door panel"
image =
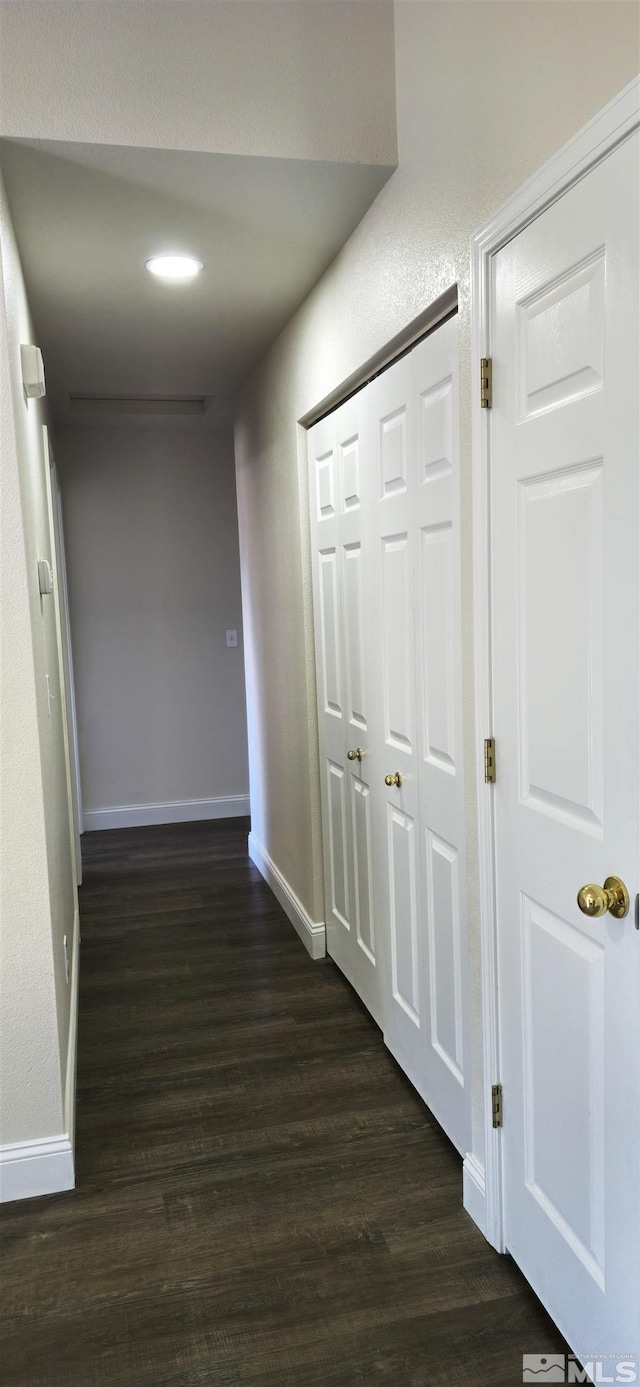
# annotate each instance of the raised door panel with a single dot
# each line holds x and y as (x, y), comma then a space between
(561, 339)
(445, 953)
(404, 920)
(364, 897)
(325, 486)
(354, 625)
(330, 633)
(436, 431)
(439, 636)
(338, 843)
(350, 473)
(561, 644)
(398, 641)
(564, 1102)
(393, 453)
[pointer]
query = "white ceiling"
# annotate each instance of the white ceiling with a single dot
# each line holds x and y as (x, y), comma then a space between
(87, 217)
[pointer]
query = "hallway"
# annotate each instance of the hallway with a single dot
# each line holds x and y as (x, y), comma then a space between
(261, 1196)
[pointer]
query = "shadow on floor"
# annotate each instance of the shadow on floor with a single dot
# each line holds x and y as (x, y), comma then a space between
(262, 1198)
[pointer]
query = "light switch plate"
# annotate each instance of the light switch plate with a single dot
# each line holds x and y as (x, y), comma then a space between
(32, 371)
(232, 638)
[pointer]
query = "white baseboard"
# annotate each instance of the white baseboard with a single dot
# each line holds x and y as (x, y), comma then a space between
(46, 1166)
(30, 1168)
(179, 811)
(312, 933)
(72, 1046)
(473, 1192)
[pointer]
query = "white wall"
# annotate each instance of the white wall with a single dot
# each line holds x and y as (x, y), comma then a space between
(154, 582)
(270, 77)
(300, 79)
(38, 883)
(486, 93)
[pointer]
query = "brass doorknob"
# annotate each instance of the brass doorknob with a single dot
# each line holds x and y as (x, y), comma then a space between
(395, 779)
(356, 755)
(597, 900)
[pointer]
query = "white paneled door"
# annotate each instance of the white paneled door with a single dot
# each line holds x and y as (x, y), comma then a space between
(385, 525)
(341, 581)
(565, 470)
(389, 438)
(436, 521)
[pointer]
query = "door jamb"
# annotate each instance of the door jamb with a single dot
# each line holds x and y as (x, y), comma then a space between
(614, 124)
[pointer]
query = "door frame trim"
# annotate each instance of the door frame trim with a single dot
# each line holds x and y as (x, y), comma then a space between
(608, 129)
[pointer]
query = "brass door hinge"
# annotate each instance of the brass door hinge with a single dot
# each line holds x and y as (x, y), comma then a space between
(496, 1104)
(490, 760)
(486, 380)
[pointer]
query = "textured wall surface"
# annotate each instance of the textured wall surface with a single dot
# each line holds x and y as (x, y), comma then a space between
(291, 78)
(284, 78)
(151, 536)
(486, 93)
(38, 886)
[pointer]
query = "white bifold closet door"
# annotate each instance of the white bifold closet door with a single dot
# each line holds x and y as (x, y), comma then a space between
(384, 485)
(341, 583)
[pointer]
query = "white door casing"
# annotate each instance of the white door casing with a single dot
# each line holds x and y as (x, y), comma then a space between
(65, 658)
(559, 316)
(66, 617)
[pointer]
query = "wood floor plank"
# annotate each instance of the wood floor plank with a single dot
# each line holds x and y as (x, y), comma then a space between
(261, 1198)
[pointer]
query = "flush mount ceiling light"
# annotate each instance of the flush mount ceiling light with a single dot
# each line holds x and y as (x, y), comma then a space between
(174, 266)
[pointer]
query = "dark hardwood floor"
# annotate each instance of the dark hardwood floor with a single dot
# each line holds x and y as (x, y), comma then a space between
(261, 1198)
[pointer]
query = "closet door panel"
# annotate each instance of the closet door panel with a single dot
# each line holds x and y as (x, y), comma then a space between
(391, 433)
(439, 732)
(325, 491)
(386, 533)
(356, 487)
(339, 483)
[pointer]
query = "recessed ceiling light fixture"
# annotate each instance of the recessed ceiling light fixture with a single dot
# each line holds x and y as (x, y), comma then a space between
(174, 266)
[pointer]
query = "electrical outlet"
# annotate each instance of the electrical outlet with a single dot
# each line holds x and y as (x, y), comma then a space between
(65, 945)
